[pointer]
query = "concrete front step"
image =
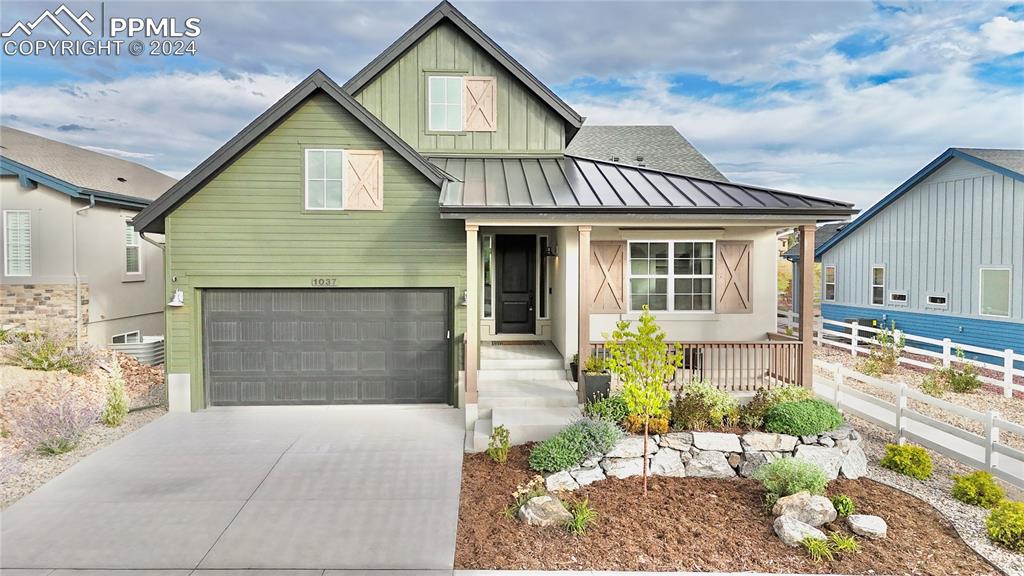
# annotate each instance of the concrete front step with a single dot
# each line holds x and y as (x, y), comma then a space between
(522, 364)
(502, 374)
(533, 424)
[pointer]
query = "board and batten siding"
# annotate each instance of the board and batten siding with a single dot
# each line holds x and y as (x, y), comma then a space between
(398, 95)
(935, 239)
(248, 228)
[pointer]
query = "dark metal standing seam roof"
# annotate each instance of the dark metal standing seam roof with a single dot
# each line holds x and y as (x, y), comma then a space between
(574, 183)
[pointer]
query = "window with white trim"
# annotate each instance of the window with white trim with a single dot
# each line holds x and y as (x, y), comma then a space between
(132, 250)
(994, 293)
(671, 276)
(17, 243)
(133, 337)
(324, 179)
(898, 298)
(878, 285)
(937, 301)
(830, 283)
(444, 103)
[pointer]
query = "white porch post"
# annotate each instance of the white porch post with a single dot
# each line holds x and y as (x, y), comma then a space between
(806, 305)
(472, 311)
(584, 319)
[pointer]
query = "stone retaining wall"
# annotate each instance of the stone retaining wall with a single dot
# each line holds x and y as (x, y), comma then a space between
(717, 455)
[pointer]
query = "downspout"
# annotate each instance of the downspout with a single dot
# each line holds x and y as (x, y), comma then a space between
(78, 277)
(159, 245)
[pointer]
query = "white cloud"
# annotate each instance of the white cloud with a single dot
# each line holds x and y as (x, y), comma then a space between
(1003, 35)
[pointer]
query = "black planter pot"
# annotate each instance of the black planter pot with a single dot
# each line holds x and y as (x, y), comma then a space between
(596, 386)
(575, 367)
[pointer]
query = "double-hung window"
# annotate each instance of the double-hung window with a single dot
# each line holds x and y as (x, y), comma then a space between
(132, 250)
(830, 283)
(444, 95)
(878, 286)
(17, 243)
(671, 276)
(995, 292)
(324, 179)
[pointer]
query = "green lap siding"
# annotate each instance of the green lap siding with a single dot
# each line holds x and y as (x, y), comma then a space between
(247, 228)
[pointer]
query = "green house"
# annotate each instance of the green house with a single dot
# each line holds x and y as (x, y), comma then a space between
(427, 233)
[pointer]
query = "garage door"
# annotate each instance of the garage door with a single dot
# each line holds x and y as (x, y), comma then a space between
(326, 346)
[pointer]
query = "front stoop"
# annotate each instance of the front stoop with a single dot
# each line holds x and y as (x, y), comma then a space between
(524, 388)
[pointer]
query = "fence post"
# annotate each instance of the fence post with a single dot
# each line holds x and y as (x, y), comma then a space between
(837, 379)
(947, 352)
(821, 331)
(1008, 373)
(991, 439)
(901, 406)
(854, 338)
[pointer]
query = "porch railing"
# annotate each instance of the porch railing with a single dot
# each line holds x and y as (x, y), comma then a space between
(735, 366)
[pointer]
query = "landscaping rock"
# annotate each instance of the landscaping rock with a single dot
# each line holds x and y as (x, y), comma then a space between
(844, 444)
(826, 441)
(717, 441)
(792, 531)
(544, 511)
(632, 447)
(588, 475)
(829, 459)
(867, 525)
(841, 433)
(754, 460)
(590, 462)
(811, 510)
(668, 462)
(855, 464)
(765, 441)
(734, 459)
(808, 439)
(623, 467)
(677, 441)
(710, 464)
(560, 482)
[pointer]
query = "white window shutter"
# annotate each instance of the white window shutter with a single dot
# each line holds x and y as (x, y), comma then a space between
(364, 180)
(480, 104)
(18, 243)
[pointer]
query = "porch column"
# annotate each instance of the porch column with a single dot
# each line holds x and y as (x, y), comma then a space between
(584, 297)
(472, 309)
(806, 305)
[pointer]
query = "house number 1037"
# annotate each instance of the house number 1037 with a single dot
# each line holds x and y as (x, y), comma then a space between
(324, 282)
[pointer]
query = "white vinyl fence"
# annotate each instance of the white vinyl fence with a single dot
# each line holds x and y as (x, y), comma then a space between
(858, 340)
(984, 452)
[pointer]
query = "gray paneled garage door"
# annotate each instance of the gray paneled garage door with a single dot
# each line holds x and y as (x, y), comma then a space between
(326, 346)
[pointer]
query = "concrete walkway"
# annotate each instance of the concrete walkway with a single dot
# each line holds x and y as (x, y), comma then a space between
(263, 487)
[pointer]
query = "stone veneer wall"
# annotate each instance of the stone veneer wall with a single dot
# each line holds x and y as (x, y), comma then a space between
(42, 306)
(717, 455)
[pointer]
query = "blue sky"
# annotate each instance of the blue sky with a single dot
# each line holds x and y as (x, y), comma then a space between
(839, 99)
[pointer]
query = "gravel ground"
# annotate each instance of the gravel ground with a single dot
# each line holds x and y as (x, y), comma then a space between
(969, 521)
(983, 400)
(24, 471)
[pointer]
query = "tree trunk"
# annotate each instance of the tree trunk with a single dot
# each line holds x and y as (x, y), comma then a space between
(647, 424)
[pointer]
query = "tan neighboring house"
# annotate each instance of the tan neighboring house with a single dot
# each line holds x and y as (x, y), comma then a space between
(68, 247)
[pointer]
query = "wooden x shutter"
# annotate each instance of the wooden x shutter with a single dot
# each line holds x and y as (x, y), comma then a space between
(364, 180)
(733, 277)
(607, 277)
(480, 110)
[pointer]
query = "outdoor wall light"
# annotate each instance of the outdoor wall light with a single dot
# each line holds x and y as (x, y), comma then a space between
(178, 300)
(550, 251)
(464, 301)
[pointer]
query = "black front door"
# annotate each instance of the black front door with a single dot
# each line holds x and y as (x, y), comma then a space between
(515, 281)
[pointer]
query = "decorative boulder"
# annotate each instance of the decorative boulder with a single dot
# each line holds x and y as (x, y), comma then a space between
(544, 511)
(792, 531)
(841, 433)
(855, 464)
(826, 441)
(677, 441)
(754, 460)
(765, 441)
(561, 482)
(668, 462)
(717, 441)
(710, 464)
(587, 476)
(623, 467)
(867, 525)
(811, 510)
(828, 459)
(632, 447)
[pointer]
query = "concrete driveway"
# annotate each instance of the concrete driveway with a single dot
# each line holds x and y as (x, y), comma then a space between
(261, 487)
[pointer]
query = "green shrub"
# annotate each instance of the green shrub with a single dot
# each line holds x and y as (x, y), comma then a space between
(843, 544)
(498, 445)
(844, 505)
(934, 384)
(1005, 525)
(601, 435)
(701, 406)
(635, 425)
(802, 418)
(884, 356)
(752, 414)
(963, 379)
(787, 476)
(575, 443)
(817, 549)
(908, 459)
(582, 516)
(978, 489)
(595, 365)
(612, 409)
(49, 350)
(116, 408)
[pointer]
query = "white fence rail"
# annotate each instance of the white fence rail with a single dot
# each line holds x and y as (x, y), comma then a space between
(981, 451)
(859, 339)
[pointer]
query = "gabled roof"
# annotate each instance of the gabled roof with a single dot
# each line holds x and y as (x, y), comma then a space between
(658, 147)
(445, 11)
(152, 218)
(821, 235)
(1009, 163)
(577, 185)
(79, 172)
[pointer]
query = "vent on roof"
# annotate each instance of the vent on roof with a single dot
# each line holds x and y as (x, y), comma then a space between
(614, 159)
(120, 179)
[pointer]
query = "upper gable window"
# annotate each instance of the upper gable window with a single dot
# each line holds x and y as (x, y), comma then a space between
(324, 179)
(445, 103)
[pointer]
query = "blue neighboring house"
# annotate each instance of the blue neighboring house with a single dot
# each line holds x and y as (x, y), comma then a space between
(942, 255)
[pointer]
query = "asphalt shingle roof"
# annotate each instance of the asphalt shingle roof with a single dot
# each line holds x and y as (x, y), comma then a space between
(1004, 158)
(660, 147)
(81, 167)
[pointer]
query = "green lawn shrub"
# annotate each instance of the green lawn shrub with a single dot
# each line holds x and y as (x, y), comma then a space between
(752, 413)
(573, 444)
(787, 476)
(701, 406)
(978, 489)
(1005, 525)
(613, 409)
(909, 460)
(802, 418)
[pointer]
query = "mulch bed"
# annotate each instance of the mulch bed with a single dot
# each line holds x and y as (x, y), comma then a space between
(692, 524)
